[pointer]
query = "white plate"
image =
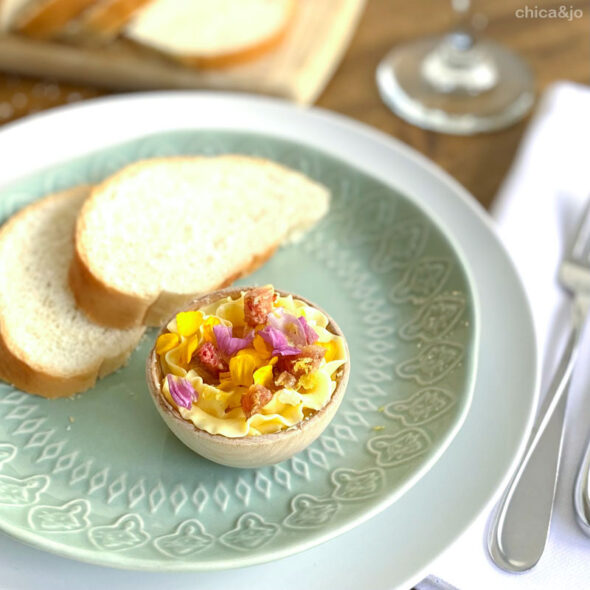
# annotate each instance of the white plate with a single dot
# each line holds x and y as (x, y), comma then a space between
(395, 548)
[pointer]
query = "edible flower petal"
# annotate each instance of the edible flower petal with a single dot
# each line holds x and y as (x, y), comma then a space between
(226, 343)
(208, 325)
(331, 350)
(241, 368)
(263, 376)
(296, 329)
(166, 342)
(182, 391)
(191, 345)
(309, 333)
(188, 322)
(278, 341)
(287, 324)
(261, 347)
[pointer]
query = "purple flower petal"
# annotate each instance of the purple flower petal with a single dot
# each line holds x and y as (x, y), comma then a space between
(278, 319)
(182, 391)
(310, 334)
(227, 344)
(280, 345)
(273, 337)
(290, 326)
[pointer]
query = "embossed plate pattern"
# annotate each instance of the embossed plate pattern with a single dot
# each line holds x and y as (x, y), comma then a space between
(99, 477)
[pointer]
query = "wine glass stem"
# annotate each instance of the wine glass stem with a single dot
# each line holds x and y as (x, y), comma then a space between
(458, 64)
(463, 15)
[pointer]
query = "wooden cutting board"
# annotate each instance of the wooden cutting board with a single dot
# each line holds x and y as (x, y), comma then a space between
(298, 69)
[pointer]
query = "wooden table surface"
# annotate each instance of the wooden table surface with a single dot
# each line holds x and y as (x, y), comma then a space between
(556, 49)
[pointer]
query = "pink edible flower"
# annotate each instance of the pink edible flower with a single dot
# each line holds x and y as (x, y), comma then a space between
(278, 341)
(297, 331)
(310, 334)
(227, 344)
(182, 391)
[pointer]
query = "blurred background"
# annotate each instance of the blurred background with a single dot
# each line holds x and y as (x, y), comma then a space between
(328, 58)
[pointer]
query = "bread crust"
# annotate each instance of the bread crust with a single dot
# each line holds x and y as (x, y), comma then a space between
(24, 376)
(48, 19)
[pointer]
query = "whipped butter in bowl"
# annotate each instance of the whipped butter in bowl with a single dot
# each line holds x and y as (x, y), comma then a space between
(248, 377)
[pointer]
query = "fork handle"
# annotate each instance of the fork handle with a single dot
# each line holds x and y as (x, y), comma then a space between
(520, 527)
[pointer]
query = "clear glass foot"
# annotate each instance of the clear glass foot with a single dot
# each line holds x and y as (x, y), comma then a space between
(454, 85)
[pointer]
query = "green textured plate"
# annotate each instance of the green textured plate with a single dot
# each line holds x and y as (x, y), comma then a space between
(100, 478)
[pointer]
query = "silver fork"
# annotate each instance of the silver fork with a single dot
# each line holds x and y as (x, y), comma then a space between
(519, 529)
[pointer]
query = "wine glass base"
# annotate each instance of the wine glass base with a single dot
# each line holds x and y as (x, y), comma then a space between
(407, 92)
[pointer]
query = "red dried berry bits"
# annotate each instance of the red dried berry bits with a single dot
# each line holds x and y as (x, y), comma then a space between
(257, 305)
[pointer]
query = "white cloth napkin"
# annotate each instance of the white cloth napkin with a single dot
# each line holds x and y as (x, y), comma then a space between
(536, 211)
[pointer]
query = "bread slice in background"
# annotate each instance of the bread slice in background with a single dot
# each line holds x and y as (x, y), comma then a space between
(161, 231)
(46, 19)
(47, 346)
(102, 21)
(212, 34)
(8, 11)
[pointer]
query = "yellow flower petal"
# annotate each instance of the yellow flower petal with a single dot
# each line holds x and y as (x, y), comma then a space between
(190, 346)
(166, 342)
(261, 347)
(263, 376)
(256, 357)
(188, 322)
(331, 350)
(242, 368)
(207, 326)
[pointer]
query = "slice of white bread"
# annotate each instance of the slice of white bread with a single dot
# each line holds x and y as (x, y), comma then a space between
(47, 346)
(162, 231)
(46, 19)
(203, 33)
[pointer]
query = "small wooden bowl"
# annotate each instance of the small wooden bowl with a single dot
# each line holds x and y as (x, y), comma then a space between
(246, 451)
